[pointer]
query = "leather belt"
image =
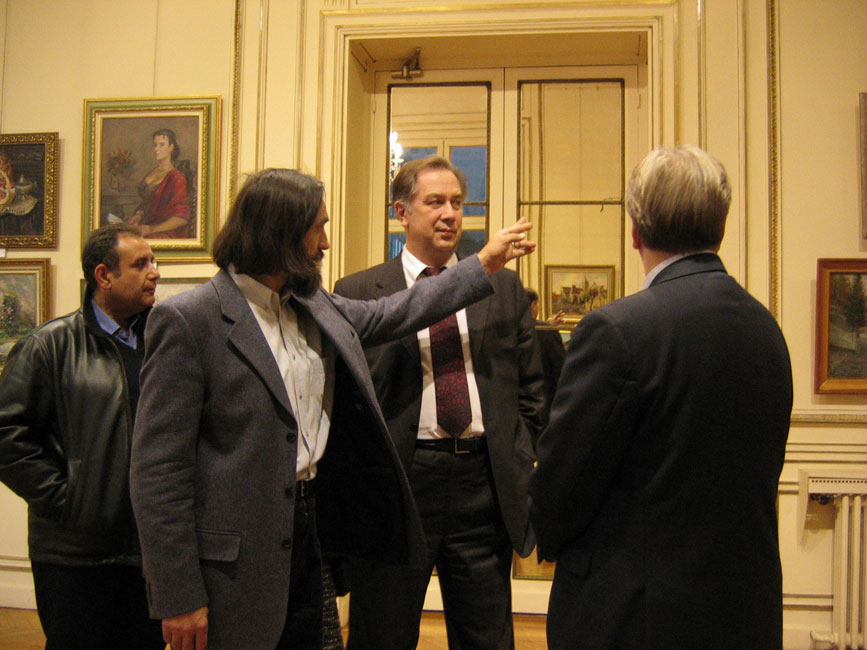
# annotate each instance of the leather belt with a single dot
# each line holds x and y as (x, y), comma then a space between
(454, 445)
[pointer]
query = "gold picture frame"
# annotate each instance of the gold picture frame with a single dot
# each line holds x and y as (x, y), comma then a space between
(28, 190)
(24, 300)
(841, 314)
(577, 290)
(154, 163)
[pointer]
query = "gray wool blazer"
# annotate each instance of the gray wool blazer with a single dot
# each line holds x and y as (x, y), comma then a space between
(214, 450)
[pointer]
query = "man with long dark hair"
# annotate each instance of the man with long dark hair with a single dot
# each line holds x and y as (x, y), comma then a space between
(246, 379)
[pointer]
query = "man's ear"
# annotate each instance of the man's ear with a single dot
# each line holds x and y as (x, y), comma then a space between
(400, 212)
(102, 274)
(636, 239)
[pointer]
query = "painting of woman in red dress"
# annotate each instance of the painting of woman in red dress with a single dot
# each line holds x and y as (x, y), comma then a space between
(164, 211)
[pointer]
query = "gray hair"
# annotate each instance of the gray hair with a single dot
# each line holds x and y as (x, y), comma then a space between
(678, 199)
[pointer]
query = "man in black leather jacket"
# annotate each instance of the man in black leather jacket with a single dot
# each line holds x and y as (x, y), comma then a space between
(68, 396)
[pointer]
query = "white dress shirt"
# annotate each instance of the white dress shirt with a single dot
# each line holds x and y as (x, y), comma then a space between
(306, 364)
(427, 424)
(664, 264)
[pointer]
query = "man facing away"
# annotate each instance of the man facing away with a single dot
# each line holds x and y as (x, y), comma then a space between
(67, 399)
(656, 485)
(551, 348)
(245, 380)
(467, 449)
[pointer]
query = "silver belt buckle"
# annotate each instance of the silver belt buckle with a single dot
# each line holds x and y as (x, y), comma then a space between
(458, 451)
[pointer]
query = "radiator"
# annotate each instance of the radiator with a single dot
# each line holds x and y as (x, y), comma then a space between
(849, 615)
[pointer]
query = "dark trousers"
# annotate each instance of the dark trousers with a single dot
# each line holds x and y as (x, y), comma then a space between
(466, 541)
(94, 608)
(303, 629)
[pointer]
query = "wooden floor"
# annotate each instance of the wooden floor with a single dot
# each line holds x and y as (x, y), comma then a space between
(20, 630)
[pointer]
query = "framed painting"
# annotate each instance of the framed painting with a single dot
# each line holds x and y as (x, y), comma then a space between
(170, 286)
(154, 163)
(577, 290)
(23, 300)
(841, 326)
(529, 568)
(28, 190)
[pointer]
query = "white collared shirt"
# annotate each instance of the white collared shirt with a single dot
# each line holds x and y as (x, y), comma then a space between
(305, 363)
(664, 264)
(427, 424)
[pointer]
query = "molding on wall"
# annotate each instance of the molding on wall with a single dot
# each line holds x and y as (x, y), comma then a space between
(238, 39)
(823, 602)
(823, 417)
(262, 82)
(14, 562)
(701, 54)
(16, 582)
(774, 297)
(742, 144)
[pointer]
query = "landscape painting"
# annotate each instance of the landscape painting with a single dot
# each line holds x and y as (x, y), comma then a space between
(841, 326)
(577, 290)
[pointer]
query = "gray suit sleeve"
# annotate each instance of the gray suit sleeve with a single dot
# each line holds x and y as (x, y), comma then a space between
(428, 302)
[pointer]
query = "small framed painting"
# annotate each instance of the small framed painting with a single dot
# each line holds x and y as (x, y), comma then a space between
(170, 286)
(28, 190)
(841, 326)
(577, 290)
(23, 300)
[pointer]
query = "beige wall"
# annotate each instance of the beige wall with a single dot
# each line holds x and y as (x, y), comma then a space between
(711, 87)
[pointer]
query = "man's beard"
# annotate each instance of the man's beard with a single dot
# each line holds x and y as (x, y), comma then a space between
(305, 284)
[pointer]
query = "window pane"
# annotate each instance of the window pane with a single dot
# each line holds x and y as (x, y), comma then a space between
(449, 119)
(396, 242)
(473, 161)
(472, 241)
(579, 234)
(475, 210)
(571, 141)
(415, 153)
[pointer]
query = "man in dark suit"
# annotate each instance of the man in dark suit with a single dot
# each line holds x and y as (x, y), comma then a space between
(657, 478)
(551, 348)
(244, 381)
(467, 446)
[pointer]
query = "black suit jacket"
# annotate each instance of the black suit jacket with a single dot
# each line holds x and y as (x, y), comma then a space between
(508, 375)
(553, 354)
(657, 479)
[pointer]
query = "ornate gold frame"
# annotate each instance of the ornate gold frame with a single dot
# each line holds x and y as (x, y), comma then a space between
(48, 189)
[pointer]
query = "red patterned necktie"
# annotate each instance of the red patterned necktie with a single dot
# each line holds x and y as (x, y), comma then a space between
(450, 375)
